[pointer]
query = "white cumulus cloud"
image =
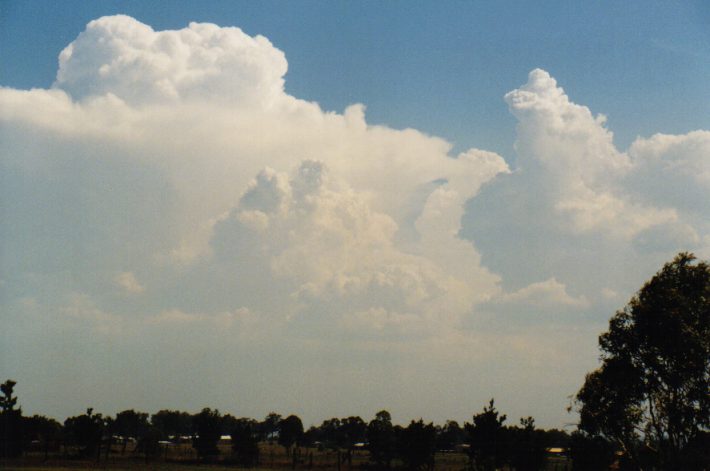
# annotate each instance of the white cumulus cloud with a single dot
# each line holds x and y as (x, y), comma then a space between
(128, 282)
(260, 223)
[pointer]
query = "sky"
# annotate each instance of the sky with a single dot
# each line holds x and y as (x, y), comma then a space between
(333, 208)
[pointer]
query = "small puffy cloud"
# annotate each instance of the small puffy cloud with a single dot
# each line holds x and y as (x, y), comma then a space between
(127, 281)
(545, 293)
(676, 168)
(172, 318)
(80, 308)
(542, 304)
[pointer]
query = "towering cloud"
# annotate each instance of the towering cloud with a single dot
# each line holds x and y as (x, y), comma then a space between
(120, 56)
(167, 191)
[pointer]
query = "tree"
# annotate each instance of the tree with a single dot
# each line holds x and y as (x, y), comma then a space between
(353, 430)
(329, 434)
(417, 444)
(450, 436)
(486, 439)
(526, 446)
(7, 400)
(654, 379)
(245, 442)
(11, 435)
(44, 430)
(269, 427)
(290, 432)
(381, 439)
(590, 453)
(149, 443)
(172, 424)
(207, 428)
(85, 431)
(130, 424)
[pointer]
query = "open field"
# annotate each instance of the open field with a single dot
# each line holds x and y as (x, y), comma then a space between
(182, 458)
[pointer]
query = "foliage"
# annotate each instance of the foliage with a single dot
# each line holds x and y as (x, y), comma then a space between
(486, 438)
(269, 427)
(11, 433)
(42, 429)
(590, 453)
(381, 439)
(450, 436)
(85, 431)
(654, 379)
(129, 424)
(149, 442)
(417, 444)
(172, 423)
(352, 430)
(207, 428)
(245, 442)
(414, 446)
(328, 434)
(290, 432)
(7, 400)
(526, 446)
(696, 455)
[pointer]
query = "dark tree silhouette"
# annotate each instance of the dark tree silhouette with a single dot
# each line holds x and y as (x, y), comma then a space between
(129, 424)
(207, 429)
(85, 431)
(7, 400)
(655, 374)
(11, 433)
(269, 427)
(329, 434)
(590, 453)
(311, 437)
(696, 455)
(486, 438)
(44, 430)
(290, 432)
(417, 444)
(172, 424)
(381, 439)
(450, 436)
(526, 446)
(353, 431)
(149, 443)
(228, 423)
(245, 442)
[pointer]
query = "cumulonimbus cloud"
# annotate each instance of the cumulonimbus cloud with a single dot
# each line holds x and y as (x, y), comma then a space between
(156, 137)
(174, 166)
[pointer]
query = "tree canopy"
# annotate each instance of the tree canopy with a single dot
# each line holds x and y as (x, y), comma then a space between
(486, 439)
(245, 442)
(381, 437)
(207, 428)
(653, 385)
(290, 431)
(10, 421)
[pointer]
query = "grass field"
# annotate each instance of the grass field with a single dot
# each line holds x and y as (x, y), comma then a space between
(182, 458)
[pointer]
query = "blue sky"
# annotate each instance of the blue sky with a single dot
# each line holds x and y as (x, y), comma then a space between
(331, 208)
(441, 67)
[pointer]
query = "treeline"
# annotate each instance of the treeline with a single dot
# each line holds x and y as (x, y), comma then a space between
(486, 440)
